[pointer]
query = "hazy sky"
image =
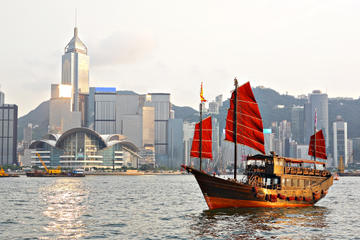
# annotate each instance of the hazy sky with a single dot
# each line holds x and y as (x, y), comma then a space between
(171, 46)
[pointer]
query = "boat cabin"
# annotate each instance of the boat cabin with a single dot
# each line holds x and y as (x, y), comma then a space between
(275, 172)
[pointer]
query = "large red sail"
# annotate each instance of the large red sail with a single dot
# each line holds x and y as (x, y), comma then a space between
(320, 145)
(206, 140)
(249, 122)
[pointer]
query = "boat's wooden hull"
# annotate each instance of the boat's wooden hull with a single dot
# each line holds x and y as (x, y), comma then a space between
(222, 193)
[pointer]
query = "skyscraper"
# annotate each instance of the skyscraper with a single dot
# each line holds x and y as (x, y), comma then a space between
(356, 151)
(175, 144)
(8, 134)
(317, 102)
(75, 69)
(162, 106)
(101, 111)
(297, 123)
(2, 98)
(61, 118)
(340, 141)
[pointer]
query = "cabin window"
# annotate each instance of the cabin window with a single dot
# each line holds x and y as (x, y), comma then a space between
(283, 181)
(301, 183)
(276, 181)
(288, 182)
(306, 183)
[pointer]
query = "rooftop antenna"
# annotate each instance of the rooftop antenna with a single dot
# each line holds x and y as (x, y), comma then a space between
(75, 17)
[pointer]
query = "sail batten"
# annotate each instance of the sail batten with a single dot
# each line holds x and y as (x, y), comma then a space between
(320, 151)
(206, 140)
(249, 126)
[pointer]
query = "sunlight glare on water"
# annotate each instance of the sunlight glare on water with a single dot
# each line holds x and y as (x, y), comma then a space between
(161, 207)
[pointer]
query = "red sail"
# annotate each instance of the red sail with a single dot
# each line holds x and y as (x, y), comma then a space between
(320, 145)
(249, 125)
(206, 140)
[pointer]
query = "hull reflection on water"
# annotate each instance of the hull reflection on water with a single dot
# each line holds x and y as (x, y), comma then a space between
(65, 202)
(253, 223)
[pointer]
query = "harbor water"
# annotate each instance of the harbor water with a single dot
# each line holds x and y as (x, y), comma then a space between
(161, 207)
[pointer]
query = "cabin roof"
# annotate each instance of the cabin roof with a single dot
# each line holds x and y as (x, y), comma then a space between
(293, 160)
(261, 157)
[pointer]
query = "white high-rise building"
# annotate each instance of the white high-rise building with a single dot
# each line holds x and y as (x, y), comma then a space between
(317, 102)
(340, 141)
(75, 69)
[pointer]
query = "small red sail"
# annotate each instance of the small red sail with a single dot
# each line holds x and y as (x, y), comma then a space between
(320, 145)
(249, 125)
(206, 142)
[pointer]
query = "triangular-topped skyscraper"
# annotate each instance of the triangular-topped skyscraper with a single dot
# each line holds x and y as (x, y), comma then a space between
(75, 69)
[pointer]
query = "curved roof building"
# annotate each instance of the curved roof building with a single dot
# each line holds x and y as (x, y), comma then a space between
(85, 148)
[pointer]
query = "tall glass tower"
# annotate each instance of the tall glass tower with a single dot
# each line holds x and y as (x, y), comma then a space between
(75, 69)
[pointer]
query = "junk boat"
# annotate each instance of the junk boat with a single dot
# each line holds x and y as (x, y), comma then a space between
(270, 180)
(53, 172)
(4, 174)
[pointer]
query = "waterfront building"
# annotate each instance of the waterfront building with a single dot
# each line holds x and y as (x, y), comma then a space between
(282, 131)
(297, 123)
(27, 135)
(8, 134)
(126, 113)
(268, 140)
(213, 108)
(303, 152)
(350, 151)
(101, 110)
(340, 141)
(148, 128)
(290, 148)
(219, 100)
(188, 131)
(2, 98)
(175, 144)
(356, 151)
(75, 69)
(61, 118)
(162, 107)
(85, 149)
(129, 108)
(318, 102)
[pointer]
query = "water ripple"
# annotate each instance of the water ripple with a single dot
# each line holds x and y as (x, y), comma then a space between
(161, 207)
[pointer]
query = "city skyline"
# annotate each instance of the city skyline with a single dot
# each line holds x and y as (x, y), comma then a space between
(157, 47)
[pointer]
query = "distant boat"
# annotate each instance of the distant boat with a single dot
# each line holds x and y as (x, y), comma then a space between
(54, 172)
(62, 174)
(270, 180)
(341, 170)
(336, 177)
(4, 174)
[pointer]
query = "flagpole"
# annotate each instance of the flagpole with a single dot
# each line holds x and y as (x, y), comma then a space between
(234, 128)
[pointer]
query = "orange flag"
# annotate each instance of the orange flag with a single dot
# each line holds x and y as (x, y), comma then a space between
(202, 94)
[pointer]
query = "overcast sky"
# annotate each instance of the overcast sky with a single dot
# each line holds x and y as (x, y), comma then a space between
(171, 46)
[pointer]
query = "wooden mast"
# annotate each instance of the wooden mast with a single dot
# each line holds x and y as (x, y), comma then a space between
(200, 136)
(235, 127)
(315, 139)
